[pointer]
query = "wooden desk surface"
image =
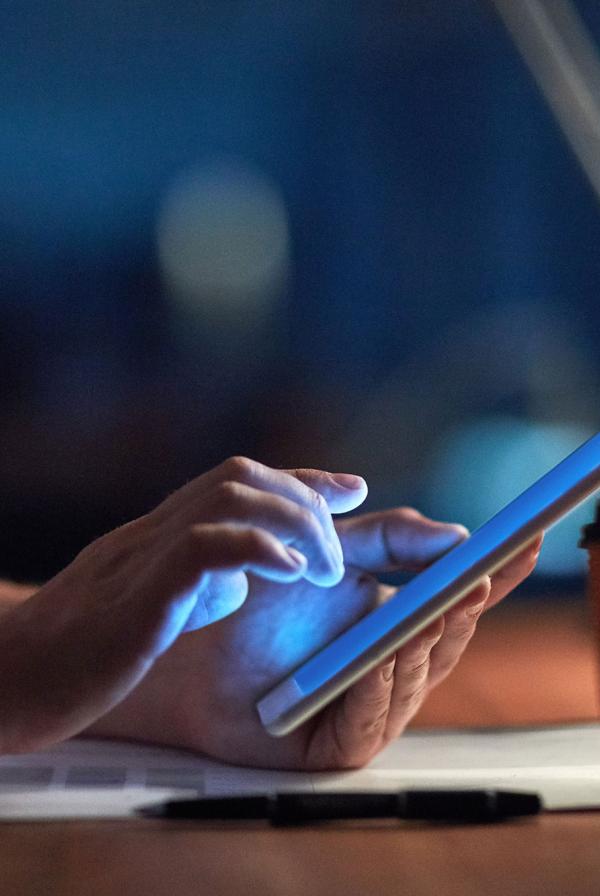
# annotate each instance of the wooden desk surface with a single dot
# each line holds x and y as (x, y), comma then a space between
(525, 665)
(553, 856)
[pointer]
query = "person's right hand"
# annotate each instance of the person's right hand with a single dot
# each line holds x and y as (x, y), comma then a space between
(86, 639)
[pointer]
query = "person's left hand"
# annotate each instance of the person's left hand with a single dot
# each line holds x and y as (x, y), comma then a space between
(201, 694)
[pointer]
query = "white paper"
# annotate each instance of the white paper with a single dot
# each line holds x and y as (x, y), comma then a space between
(108, 779)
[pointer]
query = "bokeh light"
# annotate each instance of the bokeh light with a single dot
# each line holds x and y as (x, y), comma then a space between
(223, 244)
(482, 465)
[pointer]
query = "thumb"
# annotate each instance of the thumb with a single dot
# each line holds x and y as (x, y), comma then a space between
(396, 539)
(201, 577)
(222, 593)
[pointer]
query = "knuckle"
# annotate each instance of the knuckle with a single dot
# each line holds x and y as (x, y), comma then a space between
(374, 711)
(318, 504)
(307, 522)
(227, 493)
(433, 633)
(257, 542)
(417, 670)
(239, 468)
(464, 630)
(412, 698)
(378, 721)
(378, 704)
(192, 536)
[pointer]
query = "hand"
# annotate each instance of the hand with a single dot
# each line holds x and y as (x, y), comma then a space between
(201, 693)
(87, 638)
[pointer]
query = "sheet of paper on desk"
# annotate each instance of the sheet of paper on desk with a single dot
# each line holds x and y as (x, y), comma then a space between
(107, 779)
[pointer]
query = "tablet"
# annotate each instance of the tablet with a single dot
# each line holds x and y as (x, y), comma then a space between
(429, 594)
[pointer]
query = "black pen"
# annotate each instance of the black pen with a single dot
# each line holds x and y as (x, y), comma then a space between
(283, 809)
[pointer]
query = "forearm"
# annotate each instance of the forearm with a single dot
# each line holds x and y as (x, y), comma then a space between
(45, 670)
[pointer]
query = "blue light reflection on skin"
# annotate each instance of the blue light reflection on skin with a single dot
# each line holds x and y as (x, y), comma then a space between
(281, 625)
(272, 626)
(292, 624)
(299, 635)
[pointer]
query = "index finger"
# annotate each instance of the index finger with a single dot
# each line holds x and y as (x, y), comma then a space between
(318, 491)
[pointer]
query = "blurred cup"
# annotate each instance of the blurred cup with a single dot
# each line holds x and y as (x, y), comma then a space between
(590, 540)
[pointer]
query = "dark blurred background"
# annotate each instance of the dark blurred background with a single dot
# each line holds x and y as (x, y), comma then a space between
(339, 235)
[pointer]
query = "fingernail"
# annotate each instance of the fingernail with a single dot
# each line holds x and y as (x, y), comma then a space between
(457, 530)
(295, 558)
(348, 480)
(451, 534)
